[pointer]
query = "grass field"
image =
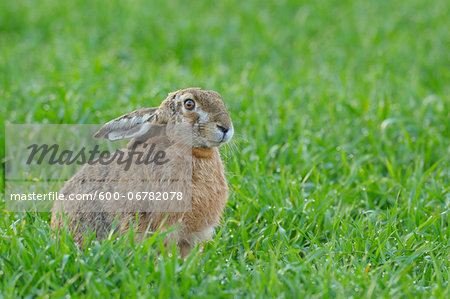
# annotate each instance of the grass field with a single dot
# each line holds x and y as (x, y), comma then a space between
(339, 171)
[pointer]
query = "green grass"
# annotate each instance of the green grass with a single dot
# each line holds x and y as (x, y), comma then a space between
(339, 174)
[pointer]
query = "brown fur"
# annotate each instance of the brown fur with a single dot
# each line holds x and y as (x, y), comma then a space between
(209, 187)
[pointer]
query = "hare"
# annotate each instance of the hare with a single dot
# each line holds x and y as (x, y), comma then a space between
(205, 114)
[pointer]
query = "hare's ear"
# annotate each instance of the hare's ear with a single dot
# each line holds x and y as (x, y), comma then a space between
(128, 126)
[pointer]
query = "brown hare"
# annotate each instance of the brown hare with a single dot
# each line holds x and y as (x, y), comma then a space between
(210, 125)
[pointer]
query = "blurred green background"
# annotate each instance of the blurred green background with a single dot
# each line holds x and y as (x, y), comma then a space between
(339, 167)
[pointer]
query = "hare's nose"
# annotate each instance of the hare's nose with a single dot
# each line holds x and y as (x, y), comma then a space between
(222, 129)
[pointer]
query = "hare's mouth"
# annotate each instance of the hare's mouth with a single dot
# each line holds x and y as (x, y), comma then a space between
(224, 133)
(222, 136)
(213, 135)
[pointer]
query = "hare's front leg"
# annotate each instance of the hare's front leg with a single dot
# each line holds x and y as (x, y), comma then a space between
(185, 248)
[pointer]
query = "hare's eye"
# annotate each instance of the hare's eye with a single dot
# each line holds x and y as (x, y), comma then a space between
(189, 104)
